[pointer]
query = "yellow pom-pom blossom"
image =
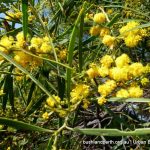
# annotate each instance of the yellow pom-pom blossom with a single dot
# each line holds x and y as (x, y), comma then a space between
(99, 18)
(22, 58)
(36, 43)
(122, 93)
(104, 31)
(106, 61)
(109, 41)
(45, 115)
(136, 69)
(133, 37)
(144, 81)
(129, 26)
(42, 45)
(106, 88)
(80, 92)
(45, 47)
(62, 113)
(95, 30)
(6, 43)
(62, 54)
(103, 71)
(135, 92)
(132, 40)
(119, 74)
(122, 60)
(101, 100)
(93, 71)
(20, 40)
(51, 102)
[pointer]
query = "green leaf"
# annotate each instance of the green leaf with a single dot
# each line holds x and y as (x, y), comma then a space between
(25, 17)
(71, 49)
(34, 106)
(112, 132)
(114, 20)
(137, 100)
(80, 43)
(33, 85)
(21, 125)
(8, 90)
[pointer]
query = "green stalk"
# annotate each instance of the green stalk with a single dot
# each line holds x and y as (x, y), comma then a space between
(71, 49)
(80, 43)
(25, 17)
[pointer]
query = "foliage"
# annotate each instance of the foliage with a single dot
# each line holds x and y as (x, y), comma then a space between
(74, 73)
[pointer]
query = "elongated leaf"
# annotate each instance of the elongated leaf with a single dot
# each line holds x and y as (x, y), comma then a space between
(71, 49)
(113, 20)
(25, 17)
(112, 132)
(33, 85)
(11, 92)
(137, 100)
(80, 42)
(31, 108)
(61, 87)
(8, 90)
(21, 125)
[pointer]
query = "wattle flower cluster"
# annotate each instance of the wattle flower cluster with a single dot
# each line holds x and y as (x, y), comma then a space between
(36, 45)
(118, 77)
(131, 34)
(101, 31)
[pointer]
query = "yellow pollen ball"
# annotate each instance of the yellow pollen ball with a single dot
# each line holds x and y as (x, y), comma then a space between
(106, 61)
(122, 93)
(45, 115)
(95, 30)
(135, 92)
(102, 100)
(144, 81)
(136, 69)
(79, 92)
(99, 18)
(104, 31)
(109, 41)
(122, 60)
(93, 72)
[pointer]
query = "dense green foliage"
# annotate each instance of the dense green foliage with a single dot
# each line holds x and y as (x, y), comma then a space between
(74, 74)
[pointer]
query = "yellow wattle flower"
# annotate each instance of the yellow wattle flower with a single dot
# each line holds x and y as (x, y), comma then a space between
(79, 92)
(122, 60)
(99, 18)
(122, 93)
(106, 61)
(95, 30)
(109, 41)
(144, 81)
(45, 115)
(101, 100)
(135, 92)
